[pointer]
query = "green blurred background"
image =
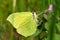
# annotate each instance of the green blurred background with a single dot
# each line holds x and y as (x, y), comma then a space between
(7, 32)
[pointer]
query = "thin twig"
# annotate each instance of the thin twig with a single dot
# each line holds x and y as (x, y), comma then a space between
(14, 5)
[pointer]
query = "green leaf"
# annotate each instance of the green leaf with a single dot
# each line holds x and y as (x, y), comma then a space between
(58, 25)
(56, 37)
(46, 16)
(24, 23)
(47, 25)
(37, 33)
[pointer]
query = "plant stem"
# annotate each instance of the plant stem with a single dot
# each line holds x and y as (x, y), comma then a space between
(52, 23)
(14, 5)
(11, 30)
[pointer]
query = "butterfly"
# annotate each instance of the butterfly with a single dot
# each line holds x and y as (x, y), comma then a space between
(25, 23)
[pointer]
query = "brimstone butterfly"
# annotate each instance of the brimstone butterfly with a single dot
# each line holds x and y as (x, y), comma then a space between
(24, 22)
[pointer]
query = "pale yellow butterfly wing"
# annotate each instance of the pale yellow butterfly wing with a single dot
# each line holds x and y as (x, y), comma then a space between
(23, 22)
